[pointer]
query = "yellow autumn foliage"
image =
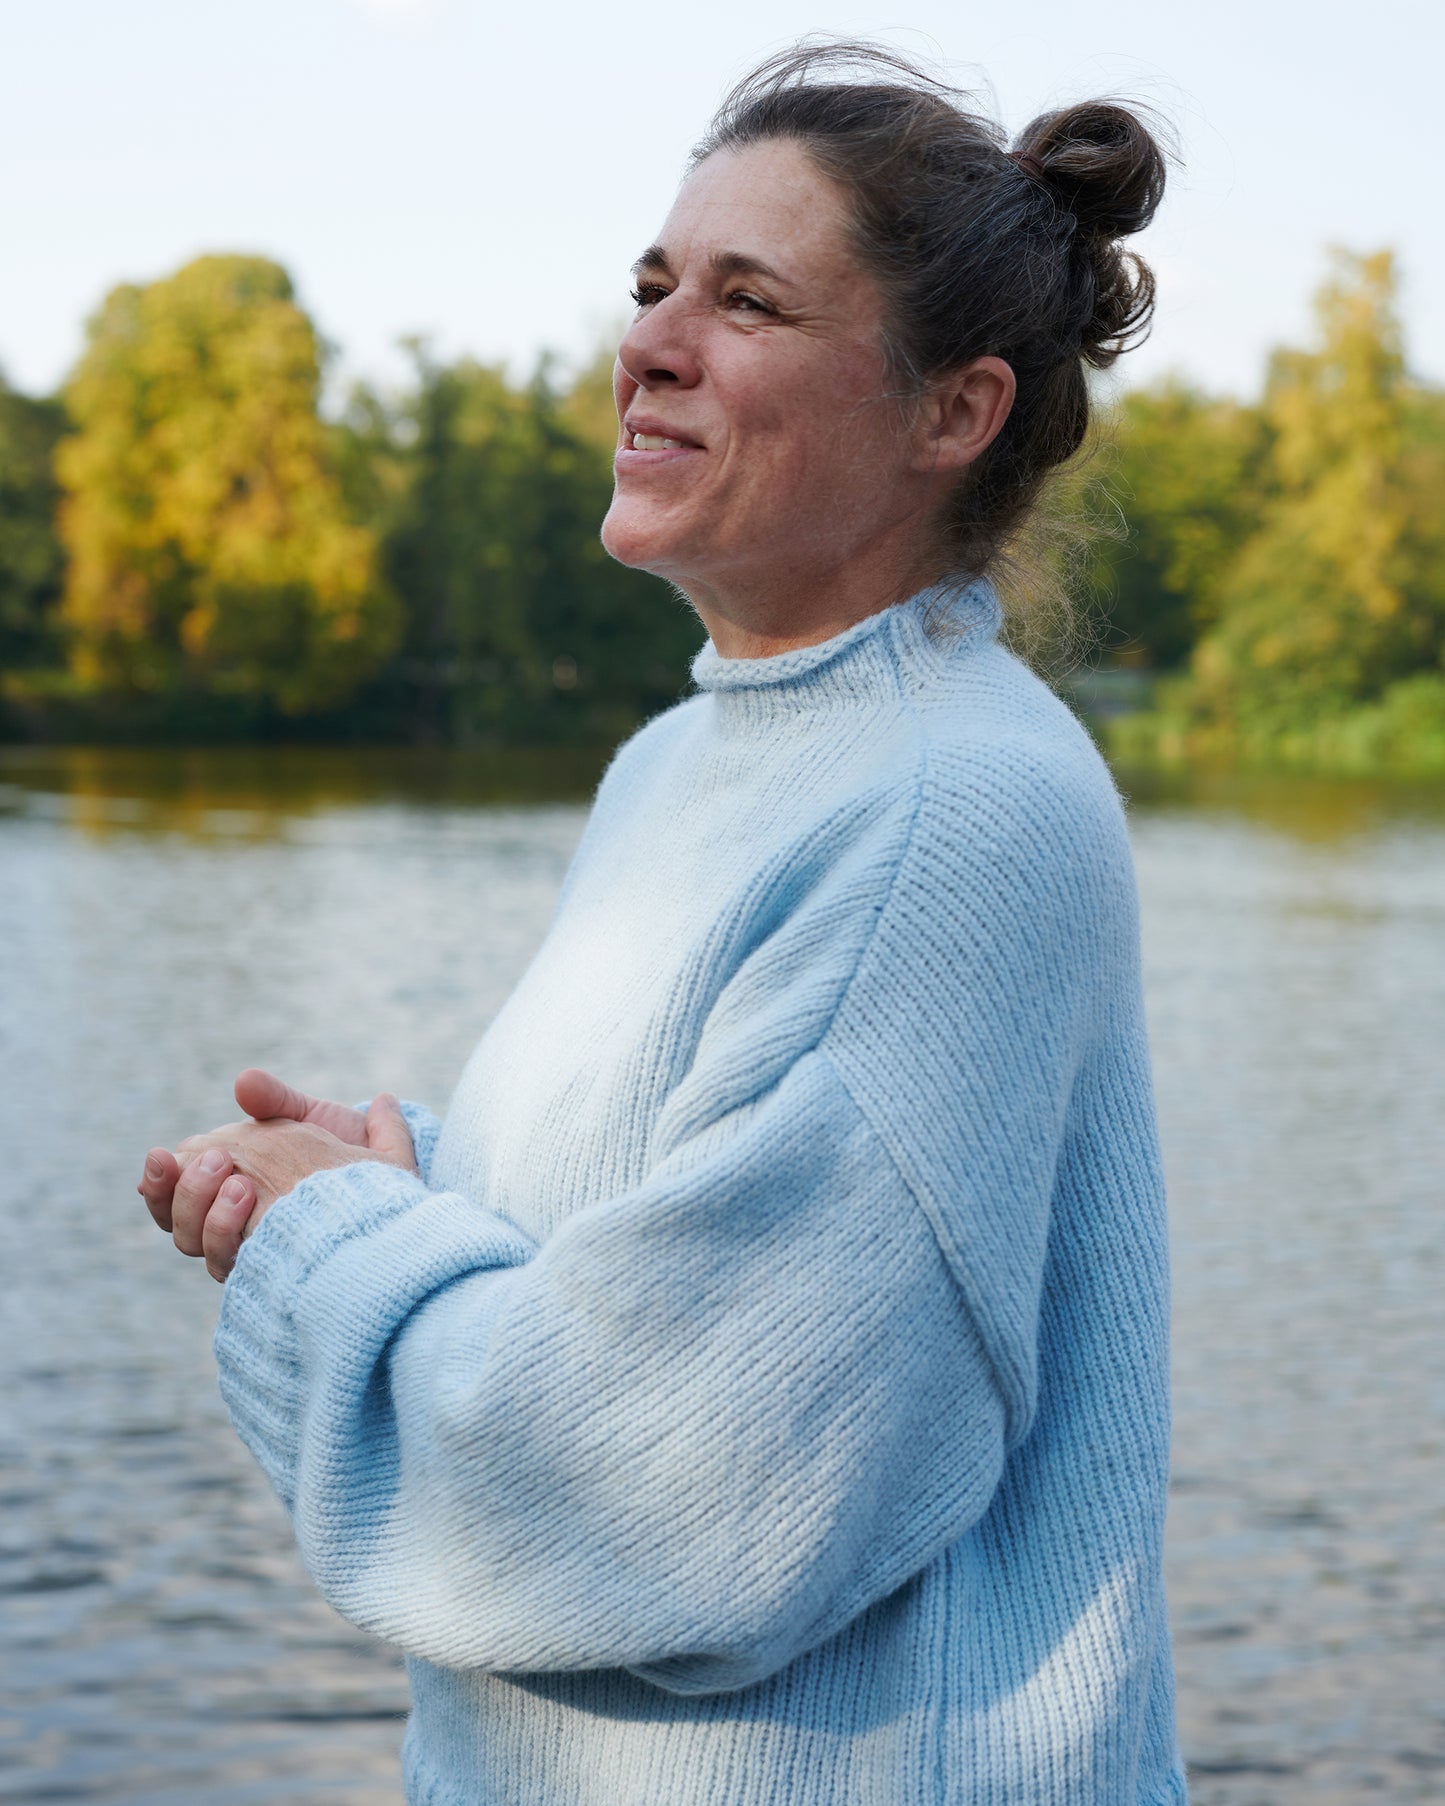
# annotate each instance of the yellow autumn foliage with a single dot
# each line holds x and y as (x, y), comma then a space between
(208, 546)
(1322, 606)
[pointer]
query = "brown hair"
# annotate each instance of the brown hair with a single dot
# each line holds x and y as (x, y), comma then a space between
(979, 250)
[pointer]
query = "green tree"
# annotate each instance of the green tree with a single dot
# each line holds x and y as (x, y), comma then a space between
(1187, 473)
(31, 560)
(587, 405)
(1330, 601)
(1421, 478)
(209, 549)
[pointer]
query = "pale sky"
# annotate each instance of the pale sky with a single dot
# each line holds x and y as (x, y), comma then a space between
(485, 173)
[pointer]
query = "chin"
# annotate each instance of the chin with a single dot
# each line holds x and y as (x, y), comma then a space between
(634, 536)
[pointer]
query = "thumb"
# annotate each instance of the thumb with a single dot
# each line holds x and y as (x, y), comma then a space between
(263, 1095)
(387, 1135)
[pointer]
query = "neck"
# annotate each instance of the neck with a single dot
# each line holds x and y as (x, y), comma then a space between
(760, 618)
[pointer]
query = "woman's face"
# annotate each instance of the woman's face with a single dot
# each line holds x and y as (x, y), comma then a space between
(757, 349)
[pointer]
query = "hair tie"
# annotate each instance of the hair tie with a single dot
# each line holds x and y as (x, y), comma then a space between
(1029, 164)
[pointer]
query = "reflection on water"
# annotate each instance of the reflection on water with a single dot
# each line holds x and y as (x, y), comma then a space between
(1315, 811)
(253, 792)
(355, 919)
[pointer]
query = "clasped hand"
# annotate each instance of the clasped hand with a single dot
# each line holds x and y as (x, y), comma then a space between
(214, 1189)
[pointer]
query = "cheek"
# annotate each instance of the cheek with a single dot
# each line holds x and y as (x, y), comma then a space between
(826, 401)
(830, 442)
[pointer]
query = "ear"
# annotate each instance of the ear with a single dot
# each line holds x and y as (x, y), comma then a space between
(964, 413)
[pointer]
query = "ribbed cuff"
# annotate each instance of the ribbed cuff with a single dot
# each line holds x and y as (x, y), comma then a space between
(333, 1271)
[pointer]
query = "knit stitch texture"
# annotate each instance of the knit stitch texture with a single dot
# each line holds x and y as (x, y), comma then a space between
(760, 1398)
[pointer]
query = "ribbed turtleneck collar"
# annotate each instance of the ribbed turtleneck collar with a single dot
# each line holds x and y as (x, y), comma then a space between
(909, 637)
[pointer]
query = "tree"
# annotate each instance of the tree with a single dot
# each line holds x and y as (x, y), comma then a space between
(1187, 474)
(1328, 602)
(31, 560)
(210, 551)
(587, 404)
(462, 547)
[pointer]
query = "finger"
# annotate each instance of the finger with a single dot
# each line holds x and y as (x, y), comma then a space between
(387, 1135)
(262, 1095)
(158, 1184)
(195, 1193)
(226, 1223)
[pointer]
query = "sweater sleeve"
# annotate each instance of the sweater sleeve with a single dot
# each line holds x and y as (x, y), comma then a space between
(695, 1433)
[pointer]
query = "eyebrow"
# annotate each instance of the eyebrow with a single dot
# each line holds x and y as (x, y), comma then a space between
(723, 263)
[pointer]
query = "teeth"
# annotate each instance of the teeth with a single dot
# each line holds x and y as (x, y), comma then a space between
(654, 442)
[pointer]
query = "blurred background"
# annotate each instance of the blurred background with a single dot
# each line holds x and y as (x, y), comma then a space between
(310, 658)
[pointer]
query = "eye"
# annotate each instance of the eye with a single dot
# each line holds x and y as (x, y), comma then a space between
(754, 304)
(647, 294)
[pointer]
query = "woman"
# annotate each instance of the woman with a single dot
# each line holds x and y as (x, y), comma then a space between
(755, 1390)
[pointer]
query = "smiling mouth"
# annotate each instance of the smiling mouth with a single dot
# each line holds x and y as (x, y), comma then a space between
(655, 442)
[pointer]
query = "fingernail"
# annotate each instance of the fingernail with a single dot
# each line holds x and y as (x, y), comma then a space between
(234, 1190)
(153, 1167)
(214, 1161)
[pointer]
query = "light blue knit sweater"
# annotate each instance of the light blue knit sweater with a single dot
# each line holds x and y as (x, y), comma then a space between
(761, 1399)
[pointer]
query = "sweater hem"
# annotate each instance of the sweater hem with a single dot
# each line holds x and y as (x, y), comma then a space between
(425, 1787)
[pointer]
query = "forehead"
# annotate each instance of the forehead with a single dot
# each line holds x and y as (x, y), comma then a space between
(766, 201)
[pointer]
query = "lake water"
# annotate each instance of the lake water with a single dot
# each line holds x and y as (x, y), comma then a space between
(354, 920)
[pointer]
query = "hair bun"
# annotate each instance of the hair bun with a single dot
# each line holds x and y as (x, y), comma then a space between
(1101, 162)
(1105, 170)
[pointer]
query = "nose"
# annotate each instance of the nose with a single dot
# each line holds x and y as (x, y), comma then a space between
(656, 350)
